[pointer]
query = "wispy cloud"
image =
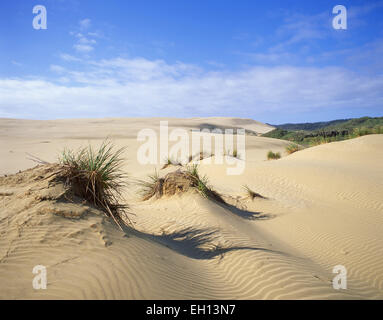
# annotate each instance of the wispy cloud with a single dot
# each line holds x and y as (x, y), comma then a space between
(85, 42)
(85, 23)
(83, 48)
(68, 57)
(141, 87)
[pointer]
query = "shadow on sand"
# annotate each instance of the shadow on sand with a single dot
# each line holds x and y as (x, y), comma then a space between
(245, 214)
(194, 243)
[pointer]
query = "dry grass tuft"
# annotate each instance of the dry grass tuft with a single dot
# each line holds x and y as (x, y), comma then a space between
(273, 156)
(293, 147)
(97, 176)
(252, 194)
(171, 162)
(178, 182)
(151, 188)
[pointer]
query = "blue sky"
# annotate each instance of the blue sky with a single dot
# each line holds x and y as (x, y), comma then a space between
(273, 61)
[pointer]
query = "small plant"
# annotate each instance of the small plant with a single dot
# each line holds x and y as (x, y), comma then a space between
(170, 162)
(151, 188)
(97, 176)
(273, 156)
(201, 184)
(291, 148)
(233, 153)
(200, 156)
(251, 194)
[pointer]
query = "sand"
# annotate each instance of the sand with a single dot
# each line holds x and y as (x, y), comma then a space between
(323, 207)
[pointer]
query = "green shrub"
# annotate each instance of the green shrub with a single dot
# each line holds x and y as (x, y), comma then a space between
(273, 156)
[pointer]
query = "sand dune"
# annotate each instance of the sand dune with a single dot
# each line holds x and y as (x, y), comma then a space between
(323, 208)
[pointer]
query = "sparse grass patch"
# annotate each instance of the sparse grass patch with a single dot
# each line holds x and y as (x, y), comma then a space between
(202, 184)
(252, 194)
(293, 147)
(170, 162)
(151, 188)
(273, 156)
(232, 153)
(200, 156)
(97, 176)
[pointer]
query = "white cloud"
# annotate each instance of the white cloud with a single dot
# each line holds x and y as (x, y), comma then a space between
(57, 68)
(83, 48)
(85, 23)
(84, 44)
(141, 87)
(68, 57)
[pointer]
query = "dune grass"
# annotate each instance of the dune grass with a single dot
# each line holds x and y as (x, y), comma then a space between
(252, 194)
(273, 156)
(201, 184)
(293, 147)
(232, 153)
(96, 175)
(152, 187)
(363, 131)
(200, 156)
(170, 162)
(317, 141)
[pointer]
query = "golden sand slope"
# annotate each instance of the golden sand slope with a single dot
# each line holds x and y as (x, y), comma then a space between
(324, 207)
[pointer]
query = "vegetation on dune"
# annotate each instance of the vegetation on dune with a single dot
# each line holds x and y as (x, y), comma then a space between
(273, 156)
(200, 183)
(97, 176)
(177, 182)
(152, 187)
(170, 162)
(233, 153)
(252, 194)
(324, 132)
(293, 147)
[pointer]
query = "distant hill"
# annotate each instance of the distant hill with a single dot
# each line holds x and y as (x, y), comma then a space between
(309, 126)
(319, 132)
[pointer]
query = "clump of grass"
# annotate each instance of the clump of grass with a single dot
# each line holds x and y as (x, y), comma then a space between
(200, 156)
(252, 194)
(155, 185)
(170, 162)
(319, 141)
(293, 147)
(97, 176)
(201, 184)
(233, 153)
(273, 156)
(151, 188)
